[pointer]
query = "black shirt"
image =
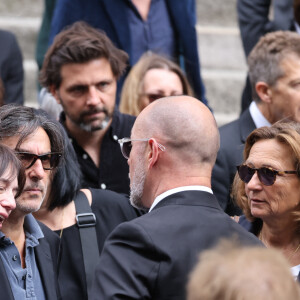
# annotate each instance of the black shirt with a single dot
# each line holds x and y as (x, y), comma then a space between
(113, 170)
(110, 210)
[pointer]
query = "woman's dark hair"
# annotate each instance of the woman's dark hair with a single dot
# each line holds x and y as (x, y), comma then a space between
(9, 161)
(66, 180)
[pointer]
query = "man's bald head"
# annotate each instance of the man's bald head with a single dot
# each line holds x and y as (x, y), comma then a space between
(184, 125)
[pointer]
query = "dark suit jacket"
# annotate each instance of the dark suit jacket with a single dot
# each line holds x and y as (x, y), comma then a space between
(110, 16)
(46, 254)
(151, 256)
(233, 137)
(11, 68)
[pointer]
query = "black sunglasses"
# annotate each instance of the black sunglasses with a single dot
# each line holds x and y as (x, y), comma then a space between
(49, 160)
(266, 175)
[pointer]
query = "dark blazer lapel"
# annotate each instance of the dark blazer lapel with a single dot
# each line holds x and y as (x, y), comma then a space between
(116, 10)
(246, 125)
(45, 266)
(5, 289)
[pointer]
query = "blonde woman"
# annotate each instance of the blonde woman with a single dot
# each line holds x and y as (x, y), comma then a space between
(151, 78)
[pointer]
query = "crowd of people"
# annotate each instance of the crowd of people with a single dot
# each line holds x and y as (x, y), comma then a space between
(122, 186)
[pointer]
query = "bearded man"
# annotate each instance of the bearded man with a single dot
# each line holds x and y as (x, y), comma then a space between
(80, 70)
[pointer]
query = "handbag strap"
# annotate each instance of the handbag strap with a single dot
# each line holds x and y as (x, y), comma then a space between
(86, 222)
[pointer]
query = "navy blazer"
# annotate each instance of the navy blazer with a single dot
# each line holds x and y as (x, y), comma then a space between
(150, 257)
(47, 253)
(109, 16)
(233, 137)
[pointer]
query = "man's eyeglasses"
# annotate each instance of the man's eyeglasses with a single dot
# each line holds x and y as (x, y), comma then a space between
(126, 145)
(49, 160)
(267, 176)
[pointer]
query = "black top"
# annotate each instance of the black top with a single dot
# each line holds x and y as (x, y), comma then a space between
(112, 173)
(110, 210)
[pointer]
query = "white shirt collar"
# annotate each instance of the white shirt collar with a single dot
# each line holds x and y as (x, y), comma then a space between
(180, 189)
(258, 118)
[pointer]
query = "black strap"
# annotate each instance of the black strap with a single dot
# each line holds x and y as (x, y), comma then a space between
(86, 222)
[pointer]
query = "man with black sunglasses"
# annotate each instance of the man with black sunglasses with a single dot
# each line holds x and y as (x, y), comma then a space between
(171, 153)
(274, 71)
(81, 69)
(28, 249)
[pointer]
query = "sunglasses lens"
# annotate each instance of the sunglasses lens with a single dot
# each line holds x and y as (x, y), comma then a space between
(245, 173)
(266, 176)
(26, 159)
(126, 148)
(49, 161)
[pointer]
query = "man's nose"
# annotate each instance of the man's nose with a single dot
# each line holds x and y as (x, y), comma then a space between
(93, 96)
(36, 170)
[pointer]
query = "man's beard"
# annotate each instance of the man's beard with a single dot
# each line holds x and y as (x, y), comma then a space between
(137, 183)
(29, 204)
(89, 127)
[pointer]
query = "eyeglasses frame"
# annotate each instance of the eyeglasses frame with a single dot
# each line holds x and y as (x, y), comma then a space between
(126, 140)
(36, 157)
(276, 172)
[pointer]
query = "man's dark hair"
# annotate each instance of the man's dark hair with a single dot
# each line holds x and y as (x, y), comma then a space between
(80, 43)
(22, 121)
(66, 181)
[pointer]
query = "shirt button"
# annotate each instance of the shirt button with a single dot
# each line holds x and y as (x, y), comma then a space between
(14, 258)
(103, 186)
(115, 137)
(84, 156)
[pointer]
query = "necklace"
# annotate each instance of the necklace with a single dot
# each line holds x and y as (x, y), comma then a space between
(62, 223)
(267, 245)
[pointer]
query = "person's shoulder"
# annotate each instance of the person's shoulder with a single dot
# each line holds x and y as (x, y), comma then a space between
(48, 233)
(112, 201)
(6, 35)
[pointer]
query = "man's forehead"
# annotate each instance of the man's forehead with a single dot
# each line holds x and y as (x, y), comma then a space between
(39, 136)
(73, 72)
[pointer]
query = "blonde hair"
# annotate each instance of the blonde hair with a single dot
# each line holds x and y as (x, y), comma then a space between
(234, 272)
(132, 88)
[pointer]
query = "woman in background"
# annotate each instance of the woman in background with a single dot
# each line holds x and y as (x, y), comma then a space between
(151, 78)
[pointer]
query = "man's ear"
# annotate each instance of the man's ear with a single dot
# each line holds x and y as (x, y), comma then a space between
(54, 91)
(264, 91)
(152, 156)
